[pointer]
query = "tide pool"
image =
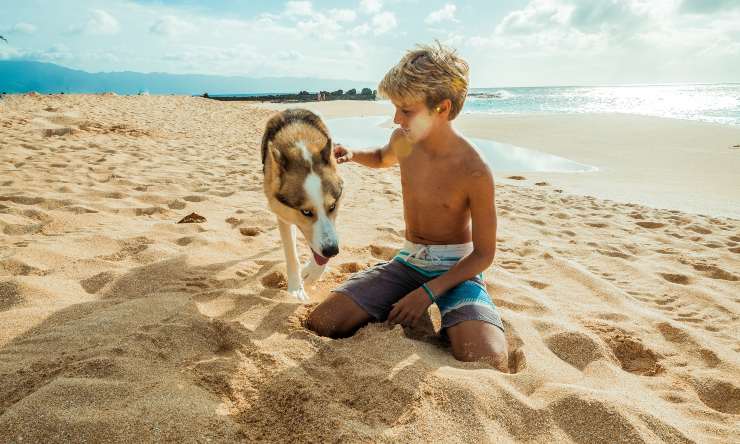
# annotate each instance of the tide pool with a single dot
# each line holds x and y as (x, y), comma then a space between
(367, 132)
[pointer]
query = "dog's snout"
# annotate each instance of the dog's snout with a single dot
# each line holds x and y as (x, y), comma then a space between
(330, 251)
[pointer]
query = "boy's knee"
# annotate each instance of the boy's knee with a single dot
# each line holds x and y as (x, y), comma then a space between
(320, 325)
(498, 358)
(324, 324)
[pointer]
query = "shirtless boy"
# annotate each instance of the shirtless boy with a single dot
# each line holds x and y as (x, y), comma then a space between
(450, 215)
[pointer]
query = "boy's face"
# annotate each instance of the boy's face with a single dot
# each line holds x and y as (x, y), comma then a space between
(415, 119)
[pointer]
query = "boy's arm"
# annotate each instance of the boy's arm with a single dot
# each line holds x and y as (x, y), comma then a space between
(382, 157)
(483, 217)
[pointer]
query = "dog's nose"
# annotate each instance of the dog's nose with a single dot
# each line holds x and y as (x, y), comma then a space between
(330, 251)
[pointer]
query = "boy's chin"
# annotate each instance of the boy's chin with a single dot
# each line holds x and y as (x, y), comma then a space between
(416, 138)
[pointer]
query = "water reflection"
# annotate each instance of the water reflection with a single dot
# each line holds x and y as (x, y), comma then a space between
(366, 132)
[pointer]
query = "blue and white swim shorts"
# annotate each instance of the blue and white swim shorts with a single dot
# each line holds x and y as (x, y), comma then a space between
(376, 289)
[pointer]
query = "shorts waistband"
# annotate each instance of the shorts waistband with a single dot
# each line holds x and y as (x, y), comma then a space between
(433, 259)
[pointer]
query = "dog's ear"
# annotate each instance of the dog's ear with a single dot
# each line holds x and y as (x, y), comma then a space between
(326, 152)
(280, 159)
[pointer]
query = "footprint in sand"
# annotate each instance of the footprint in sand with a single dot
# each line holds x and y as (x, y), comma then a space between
(649, 224)
(10, 295)
(276, 279)
(383, 252)
(722, 396)
(715, 272)
(676, 278)
(351, 267)
(195, 198)
(517, 178)
(699, 229)
(176, 204)
(94, 283)
(576, 348)
(615, 253)
(683, 340)
(18, 268)
(511, 264)
(538, 285)
(250, 231)
(631, 353)
(233, 221)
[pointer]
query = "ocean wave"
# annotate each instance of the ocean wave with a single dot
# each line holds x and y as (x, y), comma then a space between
(500, 94)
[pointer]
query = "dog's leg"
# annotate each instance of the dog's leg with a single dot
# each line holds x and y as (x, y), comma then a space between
(311, 271)
(288, 238)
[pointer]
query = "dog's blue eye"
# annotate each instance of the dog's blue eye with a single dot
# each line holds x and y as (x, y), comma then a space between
(307, 213)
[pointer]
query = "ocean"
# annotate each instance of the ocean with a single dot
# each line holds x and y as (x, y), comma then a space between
(367, 132)
(715, 103)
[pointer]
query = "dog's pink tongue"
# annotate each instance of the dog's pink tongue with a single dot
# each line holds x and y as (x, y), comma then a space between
(321, 260)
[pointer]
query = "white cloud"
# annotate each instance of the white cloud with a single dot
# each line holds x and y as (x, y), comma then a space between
(446, 13)
(99, 23)
(299, 8)
(171, 26)
(361, 29)
(383, 22)
(343, 15)
(371, 6)
(352, 48)
(24, 28)
(708, 6)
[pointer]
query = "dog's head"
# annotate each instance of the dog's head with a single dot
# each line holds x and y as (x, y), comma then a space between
(301, 180)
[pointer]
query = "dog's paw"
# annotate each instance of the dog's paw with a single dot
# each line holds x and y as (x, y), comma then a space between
(299, 293)
(311, 272)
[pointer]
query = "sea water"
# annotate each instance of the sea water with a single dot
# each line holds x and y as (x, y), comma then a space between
(368, 132)
(714, 103)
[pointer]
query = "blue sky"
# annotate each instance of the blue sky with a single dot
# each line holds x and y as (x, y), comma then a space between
(506, 42)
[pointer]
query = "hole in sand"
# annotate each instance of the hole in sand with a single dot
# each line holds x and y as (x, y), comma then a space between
(276, 279)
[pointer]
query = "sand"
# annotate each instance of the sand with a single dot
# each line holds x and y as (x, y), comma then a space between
(119, 325)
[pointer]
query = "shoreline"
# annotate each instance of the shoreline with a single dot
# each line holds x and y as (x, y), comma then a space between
(632, 167)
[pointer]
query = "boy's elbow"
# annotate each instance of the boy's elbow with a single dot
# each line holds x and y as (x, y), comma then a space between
(487, 256)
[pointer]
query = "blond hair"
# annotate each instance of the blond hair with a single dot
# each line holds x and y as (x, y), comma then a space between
(430, 73)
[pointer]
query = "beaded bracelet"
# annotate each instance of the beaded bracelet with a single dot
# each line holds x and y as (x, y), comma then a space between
(429, 293)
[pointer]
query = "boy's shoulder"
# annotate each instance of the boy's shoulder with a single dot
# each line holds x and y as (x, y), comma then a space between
(472, 161)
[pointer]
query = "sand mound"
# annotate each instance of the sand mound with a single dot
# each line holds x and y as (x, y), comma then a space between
(117, 324)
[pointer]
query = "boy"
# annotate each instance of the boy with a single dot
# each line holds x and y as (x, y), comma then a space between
(450, 215)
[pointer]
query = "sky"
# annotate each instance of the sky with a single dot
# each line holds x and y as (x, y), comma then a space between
(506, 42)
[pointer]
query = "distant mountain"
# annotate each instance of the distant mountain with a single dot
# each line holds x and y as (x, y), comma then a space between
(24, 76)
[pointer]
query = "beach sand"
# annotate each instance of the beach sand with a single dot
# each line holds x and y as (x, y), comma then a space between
(117, 324)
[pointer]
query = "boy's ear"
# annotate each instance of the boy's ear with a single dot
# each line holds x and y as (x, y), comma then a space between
(444, 106)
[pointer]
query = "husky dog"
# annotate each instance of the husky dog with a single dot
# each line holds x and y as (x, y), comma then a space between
(303, 190)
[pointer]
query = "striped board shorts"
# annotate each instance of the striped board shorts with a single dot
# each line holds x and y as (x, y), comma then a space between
(376, 289)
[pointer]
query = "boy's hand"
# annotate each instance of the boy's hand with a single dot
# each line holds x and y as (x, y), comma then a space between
(342, 154)
(410, 308)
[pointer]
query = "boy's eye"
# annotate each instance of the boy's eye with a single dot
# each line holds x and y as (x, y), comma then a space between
(307, 213)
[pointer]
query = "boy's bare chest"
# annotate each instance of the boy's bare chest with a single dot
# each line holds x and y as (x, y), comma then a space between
(433, 186)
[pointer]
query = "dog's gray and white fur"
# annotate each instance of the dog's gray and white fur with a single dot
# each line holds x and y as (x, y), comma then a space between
(303, 189)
